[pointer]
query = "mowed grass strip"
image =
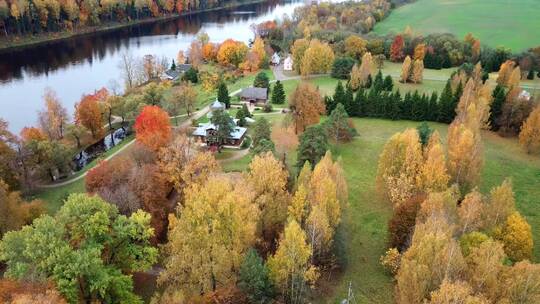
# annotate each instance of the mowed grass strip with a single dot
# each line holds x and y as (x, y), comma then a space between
(365, 219)
(513, 24)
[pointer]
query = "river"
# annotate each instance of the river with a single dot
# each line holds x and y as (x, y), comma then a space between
(83, 64)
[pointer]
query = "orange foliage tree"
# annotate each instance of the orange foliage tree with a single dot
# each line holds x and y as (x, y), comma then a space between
(89, 112)
(232, 52)
(153, 127)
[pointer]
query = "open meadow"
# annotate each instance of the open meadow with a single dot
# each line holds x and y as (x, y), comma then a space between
(511, 24)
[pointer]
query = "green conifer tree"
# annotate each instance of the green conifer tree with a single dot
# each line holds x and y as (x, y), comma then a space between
(447, 110)
(278, 93)
(223, 95)
(499, 97)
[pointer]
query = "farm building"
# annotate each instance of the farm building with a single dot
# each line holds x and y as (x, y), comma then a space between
(253, 95)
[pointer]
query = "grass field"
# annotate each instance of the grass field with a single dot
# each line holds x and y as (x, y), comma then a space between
(513, 24)
(365, 219)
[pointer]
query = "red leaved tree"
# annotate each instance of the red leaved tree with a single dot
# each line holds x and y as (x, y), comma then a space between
(396, 50)
(153, 127)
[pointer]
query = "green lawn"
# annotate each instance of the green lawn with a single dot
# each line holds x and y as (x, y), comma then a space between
(365, 219)
(513, 24)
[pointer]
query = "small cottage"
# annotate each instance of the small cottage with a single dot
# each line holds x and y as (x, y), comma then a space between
(288, 64)
(204, 132)
(175, 74)
(276, 60)
(255, 96)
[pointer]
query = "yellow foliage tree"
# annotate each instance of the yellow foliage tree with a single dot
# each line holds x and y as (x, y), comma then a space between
(434, 176)
(485, 265)
(464, 155)
(400, 165)
(471, 212)
(419, 52)
(232, 52)
(501, 205)
(208, 239)
(366, 67)
(317, 59)
(417, 72)
(406, 69)
(298, 209)
(290, 266)
(355, 46)
(268, 180)
(455, 292)
(529, 137)
(516, 236)
(521, 283)
(434, 256)
(505, 71)
(355, 78)
(298, 50)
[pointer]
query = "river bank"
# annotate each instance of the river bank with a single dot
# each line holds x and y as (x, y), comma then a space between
(18, 43)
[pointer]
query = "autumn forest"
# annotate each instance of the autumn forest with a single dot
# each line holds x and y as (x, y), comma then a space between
(323, 161)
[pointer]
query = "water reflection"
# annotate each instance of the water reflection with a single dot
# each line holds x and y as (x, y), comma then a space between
(82, 64)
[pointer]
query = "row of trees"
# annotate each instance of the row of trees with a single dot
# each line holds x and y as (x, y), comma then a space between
(29, 17)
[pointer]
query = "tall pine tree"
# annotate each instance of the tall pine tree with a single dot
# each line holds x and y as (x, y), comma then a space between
(348, 101)
(499, 96)
(447, 109)
(223, 95)
(278, 94)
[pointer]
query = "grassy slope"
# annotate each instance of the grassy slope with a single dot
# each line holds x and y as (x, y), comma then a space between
(365, 219)
(495, 22)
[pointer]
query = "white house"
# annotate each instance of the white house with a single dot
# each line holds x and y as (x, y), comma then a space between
(276, 60)
(288, 64)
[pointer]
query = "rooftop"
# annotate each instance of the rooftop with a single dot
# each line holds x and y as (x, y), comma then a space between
(254, 93)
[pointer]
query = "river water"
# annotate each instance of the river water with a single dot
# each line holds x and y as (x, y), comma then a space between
(83, 64)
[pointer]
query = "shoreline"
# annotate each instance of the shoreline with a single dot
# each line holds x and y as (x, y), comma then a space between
(27, 42)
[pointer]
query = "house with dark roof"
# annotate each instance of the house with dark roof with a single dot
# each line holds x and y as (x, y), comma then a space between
(175, 74)
(204, 132)
(253, 95)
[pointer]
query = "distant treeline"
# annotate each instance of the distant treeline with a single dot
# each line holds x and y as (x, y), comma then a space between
(19, 17)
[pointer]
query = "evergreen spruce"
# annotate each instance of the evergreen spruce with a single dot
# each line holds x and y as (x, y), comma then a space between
(360, 103)
(254, 278)
(339, 94)
(223, 95)
(499, 97)
(395, 107)
(261, 81)
(378, 84)
(388, 83)
(278, 94)
(329, 103)
(406, 106)
(447, 110)
(173, 65)
(337, 125)
(416, 106)
(371, 104)
(369, 82)
(433, 107)
(313, 145)
(348, 101)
